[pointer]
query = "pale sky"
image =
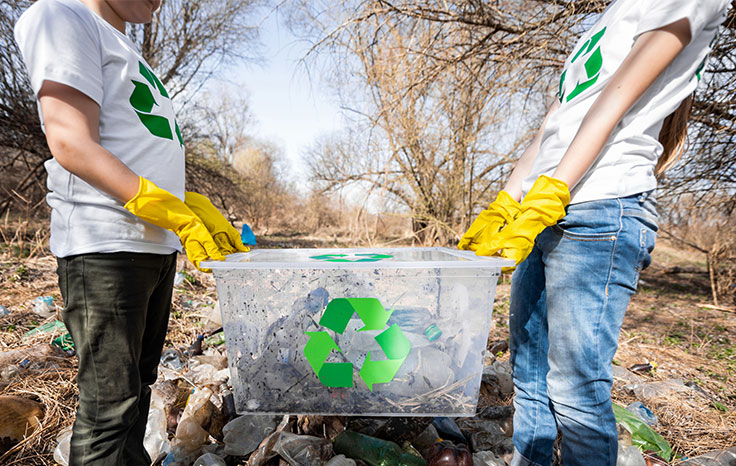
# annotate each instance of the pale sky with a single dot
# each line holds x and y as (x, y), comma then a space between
(289, 109)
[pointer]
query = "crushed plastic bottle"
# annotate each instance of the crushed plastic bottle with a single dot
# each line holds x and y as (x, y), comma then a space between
(300, 450)
(713, 458)
(340, 460)
(4, 311)
(156, 440)
(487, 458)
(49, 327)
(630, 456)
(190, 435)
(172, 359)
(9, 373)
(179, 278)
(61, 452)
(44, 306)
(638, 408)
(210, 459)
(375, 452)
(244, 433)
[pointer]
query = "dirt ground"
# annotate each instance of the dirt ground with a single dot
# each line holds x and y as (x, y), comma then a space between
(668, 325)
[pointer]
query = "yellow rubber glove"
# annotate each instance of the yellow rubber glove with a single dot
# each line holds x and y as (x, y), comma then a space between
(489, 222)
(543, 206)
(226, 237)
(160, 207)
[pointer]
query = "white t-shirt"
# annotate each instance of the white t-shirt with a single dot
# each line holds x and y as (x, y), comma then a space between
(65, 42)
(626, 164)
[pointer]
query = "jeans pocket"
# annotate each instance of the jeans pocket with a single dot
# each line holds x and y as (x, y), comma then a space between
(591, 221)
(647, 240)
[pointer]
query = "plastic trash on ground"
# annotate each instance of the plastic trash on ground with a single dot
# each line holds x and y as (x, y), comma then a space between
(171, 358)
(650, 390)
(43, 306)
(243, 434)
(448, 429)
(638, 408)
(210, 459)
(54, 327)
(424, 441)
(630, 456)
(713, 458)
(486, 435)
(191, 432)
(350, 331)
(642, 436)
(156, 440)
(247, 236)
(446, 454)
(375, 452)
(4, 311)
(487, 458)
(340, 460)
(300, 450)
(179, 278)
(624, 375)
(61, 452)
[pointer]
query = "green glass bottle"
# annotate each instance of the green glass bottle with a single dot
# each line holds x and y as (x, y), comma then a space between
(374, 451)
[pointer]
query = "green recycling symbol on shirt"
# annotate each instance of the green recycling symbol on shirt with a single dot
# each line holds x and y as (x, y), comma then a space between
(143, 101)
(593, 66)
(375, 317)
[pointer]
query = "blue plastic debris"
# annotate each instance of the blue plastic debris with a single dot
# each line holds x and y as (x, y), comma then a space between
(247, 236)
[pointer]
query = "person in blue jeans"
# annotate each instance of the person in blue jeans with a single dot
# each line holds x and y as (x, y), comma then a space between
(587, 221)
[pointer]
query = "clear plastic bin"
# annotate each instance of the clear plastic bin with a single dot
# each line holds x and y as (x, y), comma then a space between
(388, 332)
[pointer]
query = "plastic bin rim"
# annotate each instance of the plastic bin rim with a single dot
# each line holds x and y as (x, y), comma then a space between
(472, 262)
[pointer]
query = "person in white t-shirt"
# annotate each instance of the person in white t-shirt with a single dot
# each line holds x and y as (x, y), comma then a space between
(119, 212)
(587, 222)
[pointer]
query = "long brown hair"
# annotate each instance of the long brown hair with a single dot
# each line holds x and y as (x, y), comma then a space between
(673, 136)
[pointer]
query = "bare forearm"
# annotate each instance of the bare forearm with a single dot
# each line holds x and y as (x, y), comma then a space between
(97, 166)
(526, 161)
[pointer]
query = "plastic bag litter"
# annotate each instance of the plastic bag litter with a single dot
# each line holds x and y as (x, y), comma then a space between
(642, 436)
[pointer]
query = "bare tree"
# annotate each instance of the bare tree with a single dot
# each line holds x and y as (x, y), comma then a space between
(23, 147)
(447, 85)
(187, 43)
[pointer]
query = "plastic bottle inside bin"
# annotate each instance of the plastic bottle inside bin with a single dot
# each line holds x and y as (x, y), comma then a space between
(375, 452)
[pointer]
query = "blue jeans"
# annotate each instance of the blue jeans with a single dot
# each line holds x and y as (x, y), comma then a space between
(568, 301)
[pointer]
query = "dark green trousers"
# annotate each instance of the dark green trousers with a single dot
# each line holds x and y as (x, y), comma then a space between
(116, 308)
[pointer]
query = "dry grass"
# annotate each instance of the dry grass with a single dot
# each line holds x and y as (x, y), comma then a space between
(664, 324)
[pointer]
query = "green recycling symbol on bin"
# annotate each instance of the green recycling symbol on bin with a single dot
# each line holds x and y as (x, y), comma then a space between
(375, 317)
(344, 257)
